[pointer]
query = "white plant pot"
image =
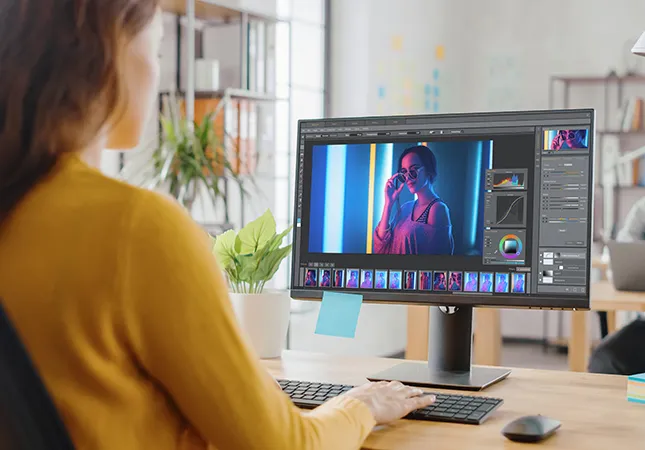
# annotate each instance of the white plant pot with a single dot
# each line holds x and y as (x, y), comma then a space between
(265, 319)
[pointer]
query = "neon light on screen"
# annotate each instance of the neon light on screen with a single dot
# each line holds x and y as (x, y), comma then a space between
(334, 199)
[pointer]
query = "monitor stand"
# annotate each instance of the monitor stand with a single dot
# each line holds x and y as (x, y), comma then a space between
(449, 356)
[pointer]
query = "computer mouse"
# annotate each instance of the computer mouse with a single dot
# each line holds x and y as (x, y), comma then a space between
(530, 429)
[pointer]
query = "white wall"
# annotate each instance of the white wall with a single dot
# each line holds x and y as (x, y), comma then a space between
(490, 55)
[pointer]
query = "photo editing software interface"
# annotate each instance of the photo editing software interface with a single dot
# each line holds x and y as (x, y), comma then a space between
(407, 207)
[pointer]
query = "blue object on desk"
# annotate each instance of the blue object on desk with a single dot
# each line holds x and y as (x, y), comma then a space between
(338, 314)
(639, 377)
(636, 388)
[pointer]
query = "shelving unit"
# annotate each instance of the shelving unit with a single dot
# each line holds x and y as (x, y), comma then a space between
(205, 11)
(254, 30)
(607, 84)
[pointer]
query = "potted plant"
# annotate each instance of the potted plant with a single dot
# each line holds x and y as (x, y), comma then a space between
(250, 259)
(189, 159)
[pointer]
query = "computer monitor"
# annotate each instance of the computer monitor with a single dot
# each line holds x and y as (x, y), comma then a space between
(450, 210)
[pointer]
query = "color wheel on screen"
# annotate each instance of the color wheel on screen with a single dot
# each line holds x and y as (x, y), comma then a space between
(510, 246)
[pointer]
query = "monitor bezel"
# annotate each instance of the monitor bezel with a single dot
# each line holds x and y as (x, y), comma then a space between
(480, 300)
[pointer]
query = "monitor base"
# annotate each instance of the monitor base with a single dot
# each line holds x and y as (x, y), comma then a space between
(419, 374)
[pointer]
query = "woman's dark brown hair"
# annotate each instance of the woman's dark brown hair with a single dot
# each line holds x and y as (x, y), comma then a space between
(59, 81)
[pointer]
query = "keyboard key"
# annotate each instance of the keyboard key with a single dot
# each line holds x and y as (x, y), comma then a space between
(476, 415)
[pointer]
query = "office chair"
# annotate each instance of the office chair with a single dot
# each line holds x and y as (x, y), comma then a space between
(28, 417)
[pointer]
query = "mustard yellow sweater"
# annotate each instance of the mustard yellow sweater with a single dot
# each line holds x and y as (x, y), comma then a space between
(125, 313)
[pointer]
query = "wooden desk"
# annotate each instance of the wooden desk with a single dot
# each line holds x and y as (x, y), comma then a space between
(592, 408)
(603, 298)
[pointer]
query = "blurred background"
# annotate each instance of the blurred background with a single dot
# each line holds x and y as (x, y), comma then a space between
(257, 66)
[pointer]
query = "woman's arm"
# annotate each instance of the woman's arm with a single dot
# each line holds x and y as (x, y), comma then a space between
(179, 322)
(383, 226)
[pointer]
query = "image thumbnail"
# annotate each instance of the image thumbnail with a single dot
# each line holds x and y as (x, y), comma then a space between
(311, 278)
(454, 283)
(471, 279)
(380, 281)
(325, 277)
(501, 282)
(395, 279)
(410, 280)
(519, 283)
(425, 281)
(486, 282)
(440, 282)
(566, 139)
(352, 278)
(366, 279)
(339, 278)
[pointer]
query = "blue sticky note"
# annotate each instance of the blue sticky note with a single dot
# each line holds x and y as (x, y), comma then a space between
(435, 107)
(637, 377)
(381, 91)
(436, 91)
(338, 314)
(428, 89)
(435, 74)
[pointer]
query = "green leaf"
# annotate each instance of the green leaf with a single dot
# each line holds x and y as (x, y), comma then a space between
(256, 234)
(224, 248)
(248, 268)
(273, 243)
(270, 263)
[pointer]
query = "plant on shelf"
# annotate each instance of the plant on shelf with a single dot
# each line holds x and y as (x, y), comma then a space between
(251, 257)
(188, 159)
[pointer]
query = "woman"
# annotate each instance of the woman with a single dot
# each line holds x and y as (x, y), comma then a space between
(380, 280)
(502, 283)
(310, 280)
(112, 288)
(395, 282)
(471, 285)
(409, 281)
(424, 281)
(421, 226)
(353, 279)
(569, 139)
(326, 279)
(487, 283)
(367, 280)
(455, 282)
(339, 279)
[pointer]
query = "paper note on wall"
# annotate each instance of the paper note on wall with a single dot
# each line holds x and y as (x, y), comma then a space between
(439, 52)
(397, 42)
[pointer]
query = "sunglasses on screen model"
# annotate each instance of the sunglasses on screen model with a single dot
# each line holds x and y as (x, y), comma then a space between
(567, 134)
(411, 174)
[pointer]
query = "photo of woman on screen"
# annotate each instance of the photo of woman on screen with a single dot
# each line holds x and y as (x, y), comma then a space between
(421, 226)
(569, 140)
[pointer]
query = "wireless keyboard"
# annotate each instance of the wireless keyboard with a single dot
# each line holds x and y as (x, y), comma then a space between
(465, 409)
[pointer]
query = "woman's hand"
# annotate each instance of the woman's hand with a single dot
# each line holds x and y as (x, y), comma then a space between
(391, 191)
(390, 401)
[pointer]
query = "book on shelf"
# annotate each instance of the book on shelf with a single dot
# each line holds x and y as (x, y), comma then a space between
(632, 117)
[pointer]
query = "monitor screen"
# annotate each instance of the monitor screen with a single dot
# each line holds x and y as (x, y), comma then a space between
(485, 209)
